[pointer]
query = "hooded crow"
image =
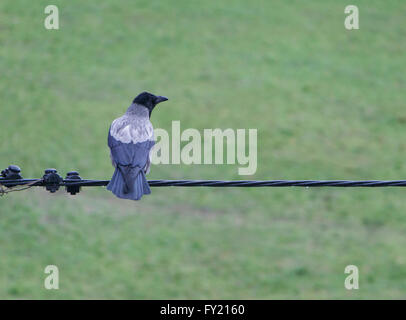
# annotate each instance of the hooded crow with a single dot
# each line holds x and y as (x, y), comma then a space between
(130, 139)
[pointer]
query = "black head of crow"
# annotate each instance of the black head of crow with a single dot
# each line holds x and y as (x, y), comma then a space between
(148, 100)
(130, 139)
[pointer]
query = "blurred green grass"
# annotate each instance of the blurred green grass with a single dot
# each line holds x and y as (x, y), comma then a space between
(327, 103)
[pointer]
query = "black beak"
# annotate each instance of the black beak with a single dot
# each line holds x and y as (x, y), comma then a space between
(160, 99)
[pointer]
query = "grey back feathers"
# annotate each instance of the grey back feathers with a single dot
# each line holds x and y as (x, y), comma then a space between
(134, 126)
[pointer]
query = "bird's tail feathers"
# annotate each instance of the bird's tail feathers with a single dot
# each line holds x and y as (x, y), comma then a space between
(129, 183)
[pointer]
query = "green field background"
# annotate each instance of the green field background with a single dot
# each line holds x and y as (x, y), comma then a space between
(328, 104)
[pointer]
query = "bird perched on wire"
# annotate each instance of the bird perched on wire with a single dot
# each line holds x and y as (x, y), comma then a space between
(130, 139)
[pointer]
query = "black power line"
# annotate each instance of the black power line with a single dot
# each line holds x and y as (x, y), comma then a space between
(51, 180)
(219, 183)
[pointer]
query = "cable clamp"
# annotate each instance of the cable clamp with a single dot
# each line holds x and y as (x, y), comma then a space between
(72, 176)
(52, 180)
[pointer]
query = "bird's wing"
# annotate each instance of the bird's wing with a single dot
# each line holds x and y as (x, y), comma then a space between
(112, 160)
(148, 165)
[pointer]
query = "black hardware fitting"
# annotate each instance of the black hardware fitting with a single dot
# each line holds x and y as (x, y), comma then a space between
(74, 177)
(52, 180)
(12, 172)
